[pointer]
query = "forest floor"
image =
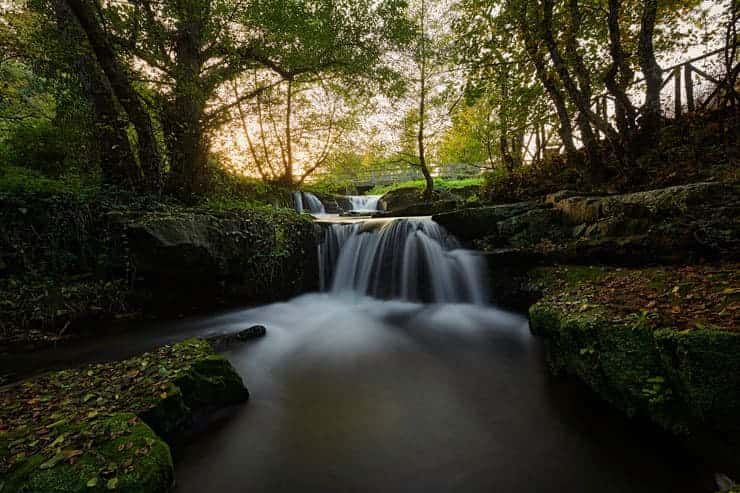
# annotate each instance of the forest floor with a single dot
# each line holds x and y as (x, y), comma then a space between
(685, 297)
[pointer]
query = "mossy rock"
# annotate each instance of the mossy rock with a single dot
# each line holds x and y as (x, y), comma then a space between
(704, 367)
(105, 421)
(133, 459)
(687, 382)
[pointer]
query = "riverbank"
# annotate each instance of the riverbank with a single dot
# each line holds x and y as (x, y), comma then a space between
(637, 295)
(73, 260)
(660, 342)
(108, 426)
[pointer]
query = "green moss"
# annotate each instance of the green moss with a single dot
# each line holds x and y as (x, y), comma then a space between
(71, 426)
(704, 368)
(133, 459)
(687, 382)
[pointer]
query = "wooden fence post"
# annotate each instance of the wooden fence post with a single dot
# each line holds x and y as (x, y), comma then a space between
(689, 82)
(677, 89)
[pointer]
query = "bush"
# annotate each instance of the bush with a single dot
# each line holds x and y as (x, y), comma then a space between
(41, 147)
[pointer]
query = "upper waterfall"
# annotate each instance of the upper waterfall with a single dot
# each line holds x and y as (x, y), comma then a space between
(364, 203)
(412, 259)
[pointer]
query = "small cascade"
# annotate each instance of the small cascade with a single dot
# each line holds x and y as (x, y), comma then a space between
(313, 203)
(409, 259)
(307, 200)
(364, 203)
(298, 201)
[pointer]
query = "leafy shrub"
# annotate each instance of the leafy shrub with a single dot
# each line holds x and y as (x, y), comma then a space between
(39, 147)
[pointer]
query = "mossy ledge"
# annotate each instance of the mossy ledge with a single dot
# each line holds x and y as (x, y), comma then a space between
(106, 426)
(684, 376)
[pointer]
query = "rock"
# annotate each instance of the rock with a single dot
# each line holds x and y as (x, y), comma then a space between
(531, 227)
(250, 254)
(253, 332)
(150, 467)
(475, 223)
(405, 197)
(422, 209)
(116, 441)
(674, 224)
(686, 381)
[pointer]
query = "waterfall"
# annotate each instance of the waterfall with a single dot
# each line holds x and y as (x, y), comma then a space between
(364, 203)
(307, 200)
(298, 201)
(409, 259)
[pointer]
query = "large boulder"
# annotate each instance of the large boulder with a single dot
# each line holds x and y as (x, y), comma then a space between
(404, 197)
(252, 253)
(475, 223)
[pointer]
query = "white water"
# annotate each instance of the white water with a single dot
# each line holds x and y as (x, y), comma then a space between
(364, 203)
(314, 204)
(412, 259)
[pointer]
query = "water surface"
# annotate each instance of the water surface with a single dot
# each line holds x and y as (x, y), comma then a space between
(356, 394)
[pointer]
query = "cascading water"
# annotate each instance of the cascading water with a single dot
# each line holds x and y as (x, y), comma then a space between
(364, 203)
(308, 200)
(410, 259)
(314, 204)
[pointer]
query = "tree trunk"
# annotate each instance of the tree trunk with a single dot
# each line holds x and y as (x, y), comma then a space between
(561, 68)
(650, 68)
(186, 142)
(565, 129)
(590, 142)
(148, 148)
(429, 188)
(117, 163)
(289, 135)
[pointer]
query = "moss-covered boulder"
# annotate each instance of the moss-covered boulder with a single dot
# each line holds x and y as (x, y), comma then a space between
(475, 223)
(405, 197)
(658, 343)
(122, 454)
(423, 209)
(675, 224)
(102, 427)
(260, 255)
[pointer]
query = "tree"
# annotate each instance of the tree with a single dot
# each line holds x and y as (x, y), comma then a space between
(291, 130)
(165, 62)
(576, 49)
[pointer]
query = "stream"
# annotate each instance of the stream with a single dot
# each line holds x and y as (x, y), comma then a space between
(399, 377)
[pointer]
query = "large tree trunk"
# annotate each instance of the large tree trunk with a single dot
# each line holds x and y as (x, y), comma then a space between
(619, 76)
(590, 142)
(289, 135)
(565, 129)
(117, 163)
(186, 142)
(561, 68)
(429, 188)
(149, 155)
(649, 66)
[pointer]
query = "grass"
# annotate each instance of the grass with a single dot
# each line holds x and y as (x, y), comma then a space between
(20, 179)
(439, 183)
